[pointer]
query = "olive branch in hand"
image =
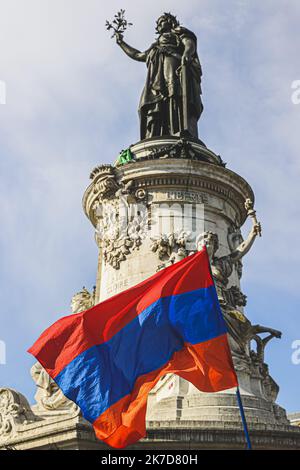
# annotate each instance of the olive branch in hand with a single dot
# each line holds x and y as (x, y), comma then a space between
(119, 24)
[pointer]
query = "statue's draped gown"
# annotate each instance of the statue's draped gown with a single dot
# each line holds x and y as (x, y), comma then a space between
(161, 104)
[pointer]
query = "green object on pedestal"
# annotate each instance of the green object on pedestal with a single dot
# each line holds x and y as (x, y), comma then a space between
(124, 157)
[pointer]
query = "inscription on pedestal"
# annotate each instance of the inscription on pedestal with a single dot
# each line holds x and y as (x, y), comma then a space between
(117, 286)
(184, 196)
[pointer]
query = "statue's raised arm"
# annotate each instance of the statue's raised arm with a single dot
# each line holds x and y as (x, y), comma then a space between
(130, 51)
(245, 246)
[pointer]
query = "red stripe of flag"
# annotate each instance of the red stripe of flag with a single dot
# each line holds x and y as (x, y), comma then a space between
(64, 340)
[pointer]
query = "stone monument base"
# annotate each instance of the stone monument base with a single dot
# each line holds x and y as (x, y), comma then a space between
(218, 435)
(166, 179)
(191, 422)
(63, 432)
(208, 407)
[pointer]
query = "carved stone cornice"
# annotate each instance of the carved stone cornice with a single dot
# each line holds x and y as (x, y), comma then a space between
(174, 147)
(192, 175)
(167, 174)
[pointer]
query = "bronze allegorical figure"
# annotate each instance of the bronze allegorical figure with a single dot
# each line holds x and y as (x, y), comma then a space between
(171, 99)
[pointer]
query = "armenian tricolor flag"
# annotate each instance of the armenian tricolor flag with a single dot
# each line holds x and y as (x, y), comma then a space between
(108, 358)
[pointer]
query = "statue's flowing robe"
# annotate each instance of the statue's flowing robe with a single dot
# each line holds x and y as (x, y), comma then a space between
(161, 108)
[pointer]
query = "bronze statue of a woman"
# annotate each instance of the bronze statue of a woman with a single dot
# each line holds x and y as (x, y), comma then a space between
(171, 100)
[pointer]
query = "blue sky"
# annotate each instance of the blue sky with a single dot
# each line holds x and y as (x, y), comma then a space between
(72, 99)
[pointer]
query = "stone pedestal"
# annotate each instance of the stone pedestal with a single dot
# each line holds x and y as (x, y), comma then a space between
(172, 191)
(148, 214)
(164, 187)
(32, 428)
(25, 428)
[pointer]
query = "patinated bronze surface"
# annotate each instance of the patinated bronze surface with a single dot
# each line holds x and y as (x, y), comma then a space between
(171, 99)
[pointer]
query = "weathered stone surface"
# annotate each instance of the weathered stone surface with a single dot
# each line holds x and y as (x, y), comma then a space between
(152, 195)
(57, 430)
(63, 432)
(152, 184)
(166, 174)
(15, 413)
(216, 407)
(294, 419)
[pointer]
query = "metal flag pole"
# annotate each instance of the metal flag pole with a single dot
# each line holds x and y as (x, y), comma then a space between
(239, 399)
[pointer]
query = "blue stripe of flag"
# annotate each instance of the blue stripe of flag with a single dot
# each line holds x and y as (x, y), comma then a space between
(102, 375)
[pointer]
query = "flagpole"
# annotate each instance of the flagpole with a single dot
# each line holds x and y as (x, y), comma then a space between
(239, 399)
(238, 395)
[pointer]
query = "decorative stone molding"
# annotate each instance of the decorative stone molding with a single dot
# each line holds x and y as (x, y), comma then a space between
(15, 411)
(116, 251)
(174, 147)
(105, 182)
(182, 148)
(165, 174)
(141, 194)
(171, 247)
(194, 175)
(117, 244)
(101, 171)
